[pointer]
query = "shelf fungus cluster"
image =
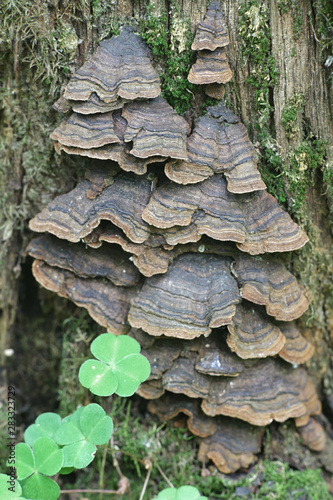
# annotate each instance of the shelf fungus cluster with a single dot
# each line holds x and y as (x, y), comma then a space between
(180, 263)
(211, 67)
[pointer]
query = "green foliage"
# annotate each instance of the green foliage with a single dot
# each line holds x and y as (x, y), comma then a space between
(290, 114)
(120, 368)
(81, 432)
(282, 483)
(15, 491)
(182, 493)
(256, 37)
(172, 50)
(45, 425)
(33, 466)
(305, 162)
(46, 52)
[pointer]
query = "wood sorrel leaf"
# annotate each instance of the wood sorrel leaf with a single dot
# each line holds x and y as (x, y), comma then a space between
(48, 456)
(25, 462)
(45, 425)
(182, 493)
(9, 494)
(39, 487)
(120, 368)
(95, 424)
(112, 348)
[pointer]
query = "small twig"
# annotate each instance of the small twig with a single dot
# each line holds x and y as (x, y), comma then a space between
(163, 475)
(145, 484)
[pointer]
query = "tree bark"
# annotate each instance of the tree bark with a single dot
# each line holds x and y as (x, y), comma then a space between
(281, 89)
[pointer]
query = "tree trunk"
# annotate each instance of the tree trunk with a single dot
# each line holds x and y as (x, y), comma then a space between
(280, 53)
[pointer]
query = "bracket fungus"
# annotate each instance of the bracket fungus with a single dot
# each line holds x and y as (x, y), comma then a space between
(263, 391)
(265, 281)
(73, 216)
(210, 39)
(155, 129)
(106, 303)
(206, 297)
(110, 263)
(254, 221)
(252, 335)
(119, 69)
(218, 144)
(81, 131)
(211, 33)
(212, 316)
(149, 131)
(230, 445)
(210, 67)
(313, 435)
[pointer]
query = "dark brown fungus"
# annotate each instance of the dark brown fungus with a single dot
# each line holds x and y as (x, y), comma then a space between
(73, 216)
(313, 435)
(100, 177)
(254, 221)
(92, 106)
(210, 67)
(297, 349)
(215, 90)
(267, 390)
(114, 152)
(151, 389)
(106, 303)
(119, 68)
(264, 389)
(218, 144)
(182, 378)
(111, 263)
(86, 132)
(214, 359)
(233, 446)
(155, 129)
(170, 405)
(265, 281)
(252, 334)
(197, 294)
(211, 32)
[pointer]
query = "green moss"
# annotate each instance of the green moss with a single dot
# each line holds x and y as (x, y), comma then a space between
(172, 51)
(283, 483)
(305, 162)
(290, 114)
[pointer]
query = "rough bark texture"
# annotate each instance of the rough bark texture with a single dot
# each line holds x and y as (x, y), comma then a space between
(281, 89)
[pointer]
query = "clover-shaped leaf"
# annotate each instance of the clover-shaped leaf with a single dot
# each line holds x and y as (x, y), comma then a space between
(45, 426)
(81, 432)
(25, 461)
(34, 465)
(10, 489)
(39, 487)
(119, 367)
(182, 493)
(48, 456)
